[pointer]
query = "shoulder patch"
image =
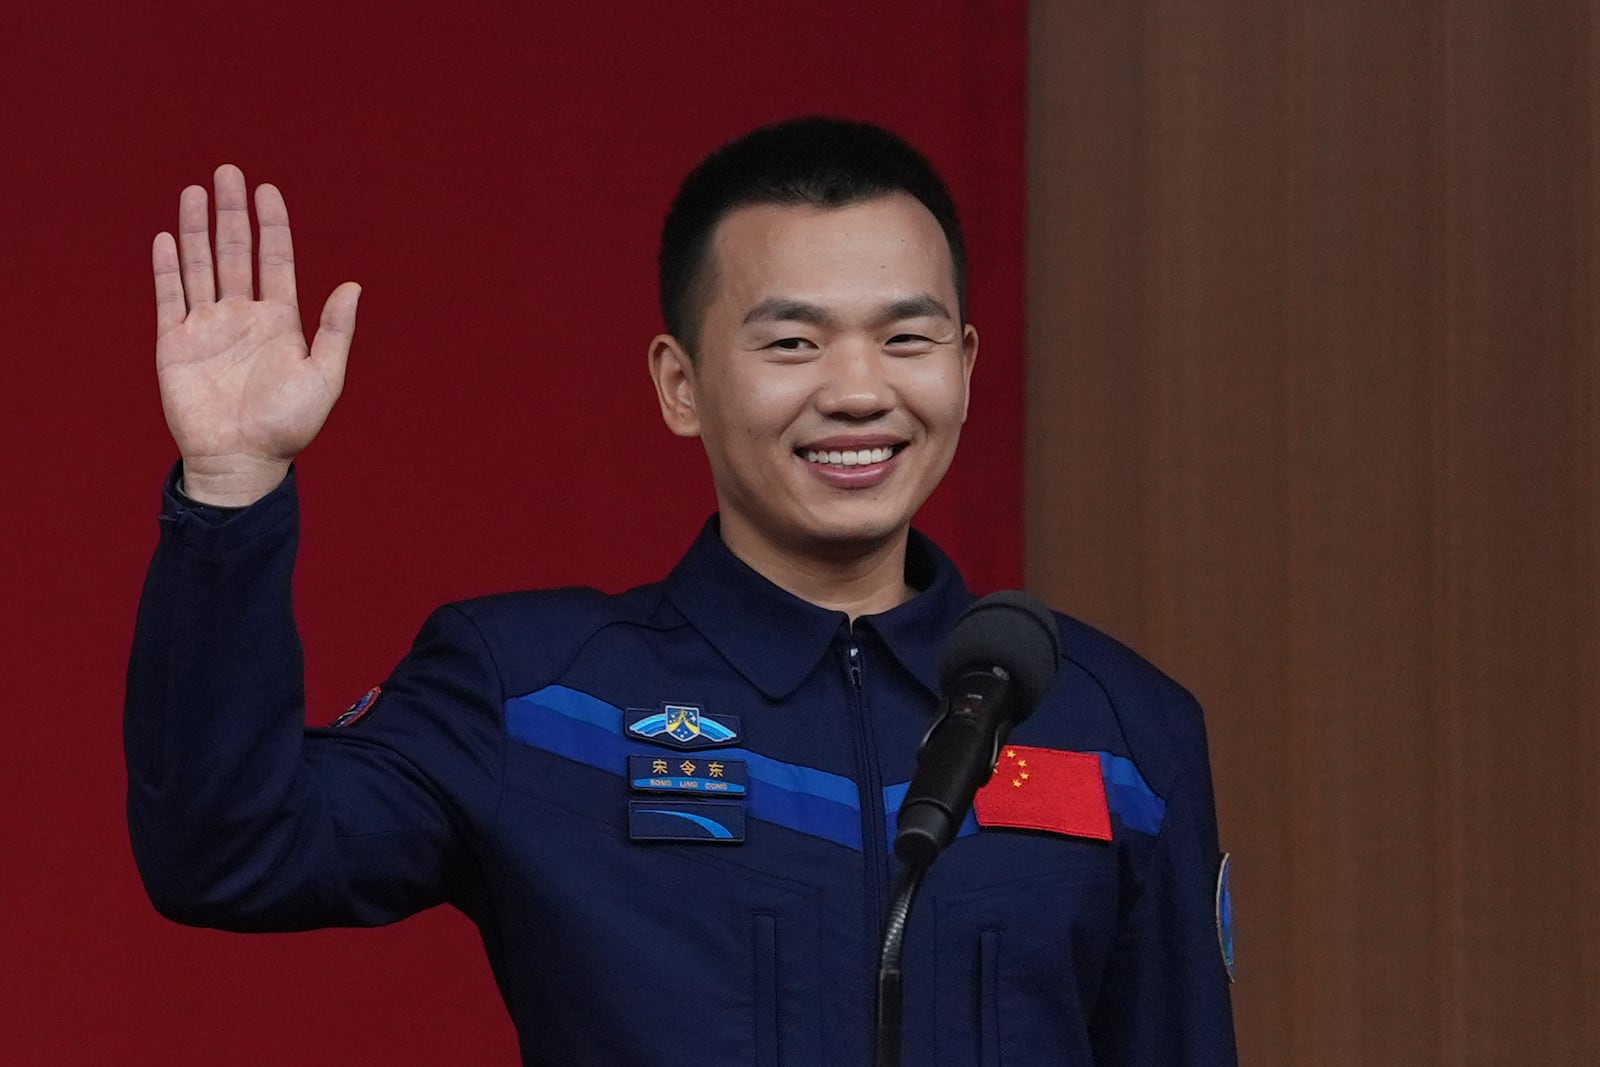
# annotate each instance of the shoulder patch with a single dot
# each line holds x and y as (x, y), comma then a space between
(357, 711)
(1225, 913)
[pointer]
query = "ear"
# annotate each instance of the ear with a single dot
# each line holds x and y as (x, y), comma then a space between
(673, 372)
(969, 357)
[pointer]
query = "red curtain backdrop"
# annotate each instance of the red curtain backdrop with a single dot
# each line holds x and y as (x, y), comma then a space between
(494, 175)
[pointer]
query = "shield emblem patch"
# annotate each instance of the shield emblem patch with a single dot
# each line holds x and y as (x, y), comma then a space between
(683, 722)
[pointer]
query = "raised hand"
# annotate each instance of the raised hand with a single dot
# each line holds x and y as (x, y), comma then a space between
(243, 394)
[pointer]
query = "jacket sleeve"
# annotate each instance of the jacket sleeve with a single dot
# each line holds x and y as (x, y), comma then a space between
(240, 817)
(1166, 996)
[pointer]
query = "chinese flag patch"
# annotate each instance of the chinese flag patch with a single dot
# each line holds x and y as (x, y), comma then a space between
(1046, 789)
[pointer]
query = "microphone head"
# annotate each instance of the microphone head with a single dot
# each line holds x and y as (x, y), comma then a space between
(1011, 630)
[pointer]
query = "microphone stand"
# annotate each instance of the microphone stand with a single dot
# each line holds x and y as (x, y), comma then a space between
(1003, 653)
(889, 974)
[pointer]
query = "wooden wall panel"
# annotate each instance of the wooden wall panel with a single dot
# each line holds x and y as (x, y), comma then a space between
(1516, 138)
(1312, 422)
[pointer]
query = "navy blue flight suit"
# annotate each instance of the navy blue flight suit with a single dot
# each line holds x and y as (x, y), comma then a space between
(493, 773)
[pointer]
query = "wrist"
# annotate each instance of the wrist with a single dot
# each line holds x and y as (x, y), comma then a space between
(232, 485)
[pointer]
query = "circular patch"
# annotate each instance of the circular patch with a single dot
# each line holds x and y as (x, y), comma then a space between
(354, 713)
(1225, 913)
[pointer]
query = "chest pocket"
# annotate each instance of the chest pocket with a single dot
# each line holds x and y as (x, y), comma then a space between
(1018, 965)
(783, 987)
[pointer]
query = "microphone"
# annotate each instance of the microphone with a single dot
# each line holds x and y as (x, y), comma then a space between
(1002, 657)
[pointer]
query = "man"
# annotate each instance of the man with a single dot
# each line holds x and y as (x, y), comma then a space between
(669, 811)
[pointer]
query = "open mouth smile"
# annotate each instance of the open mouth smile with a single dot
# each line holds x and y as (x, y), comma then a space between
(858, 457)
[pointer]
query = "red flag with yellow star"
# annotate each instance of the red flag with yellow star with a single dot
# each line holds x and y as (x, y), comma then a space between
(1046, 789)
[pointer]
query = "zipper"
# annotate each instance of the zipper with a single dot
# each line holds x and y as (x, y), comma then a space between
(874, 846)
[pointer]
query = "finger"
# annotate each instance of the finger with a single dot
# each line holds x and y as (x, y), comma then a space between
(277, 250)
(233, 233)
(330, 348)
(170, 308)
(194, 247)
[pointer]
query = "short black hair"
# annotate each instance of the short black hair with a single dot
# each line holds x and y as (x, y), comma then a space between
(827, 162)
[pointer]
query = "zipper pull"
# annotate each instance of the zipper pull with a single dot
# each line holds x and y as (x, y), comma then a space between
(855, 667)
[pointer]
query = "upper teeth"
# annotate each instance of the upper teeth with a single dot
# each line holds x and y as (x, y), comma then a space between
(856, 458)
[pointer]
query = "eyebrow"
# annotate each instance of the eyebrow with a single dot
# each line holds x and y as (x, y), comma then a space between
(783, 309)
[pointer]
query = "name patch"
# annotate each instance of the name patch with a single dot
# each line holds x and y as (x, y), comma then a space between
(687, 774)
(717, 822)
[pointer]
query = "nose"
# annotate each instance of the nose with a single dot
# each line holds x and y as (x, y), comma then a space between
(856, 381)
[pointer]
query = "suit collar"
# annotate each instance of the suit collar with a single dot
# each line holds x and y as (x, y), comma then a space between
(775, 639)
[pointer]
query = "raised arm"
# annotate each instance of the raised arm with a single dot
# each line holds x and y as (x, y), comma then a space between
(239, 817)
(242, 392)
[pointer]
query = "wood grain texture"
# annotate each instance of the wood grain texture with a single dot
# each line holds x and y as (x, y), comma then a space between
(1313, 403)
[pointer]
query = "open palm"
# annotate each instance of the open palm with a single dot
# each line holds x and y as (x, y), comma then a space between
(242, 391)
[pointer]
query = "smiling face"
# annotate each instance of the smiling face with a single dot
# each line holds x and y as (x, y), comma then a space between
(830, 382)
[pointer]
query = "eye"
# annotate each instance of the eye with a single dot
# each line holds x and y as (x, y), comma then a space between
(791, 344)
(909, 342)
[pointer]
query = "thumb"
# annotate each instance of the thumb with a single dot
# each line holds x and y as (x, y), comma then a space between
(330, 348)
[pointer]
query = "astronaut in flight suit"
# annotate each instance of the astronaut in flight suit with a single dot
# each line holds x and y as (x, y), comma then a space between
(691, 786)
